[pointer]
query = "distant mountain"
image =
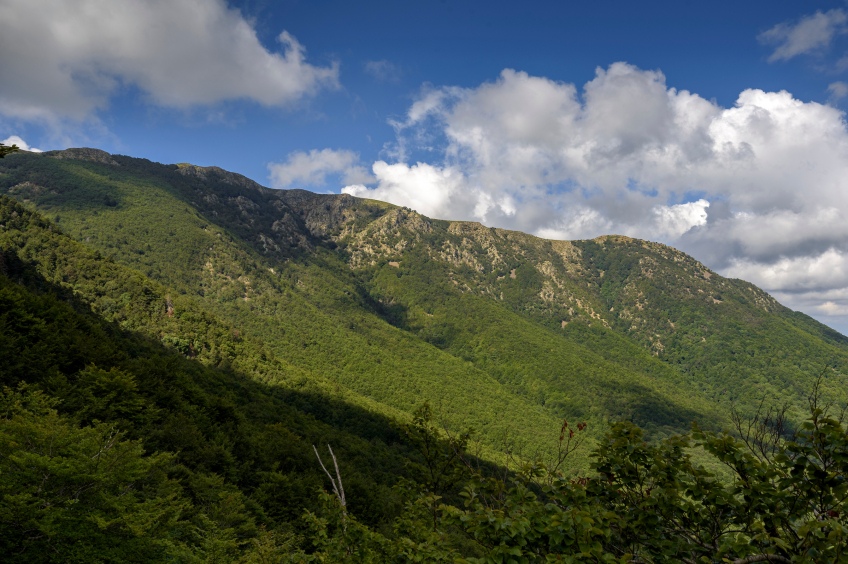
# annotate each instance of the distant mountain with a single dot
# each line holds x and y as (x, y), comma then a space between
(498, 330)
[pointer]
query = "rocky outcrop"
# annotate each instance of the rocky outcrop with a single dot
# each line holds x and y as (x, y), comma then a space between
(214, 173)
(84, 154)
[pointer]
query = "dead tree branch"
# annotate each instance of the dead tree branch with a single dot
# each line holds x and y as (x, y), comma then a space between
(338, 489)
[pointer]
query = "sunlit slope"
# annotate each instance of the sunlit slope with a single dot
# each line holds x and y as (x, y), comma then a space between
(499, 330)
(299, 276)
(727, 336)
(312, 319)
(241, 450)
(714, 337)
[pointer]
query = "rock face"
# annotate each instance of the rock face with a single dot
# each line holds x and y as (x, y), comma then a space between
(214, 173)
(84, 154)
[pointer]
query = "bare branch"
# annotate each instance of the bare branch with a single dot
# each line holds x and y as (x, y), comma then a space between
(340, 491)
(337, 481)
(765, 432)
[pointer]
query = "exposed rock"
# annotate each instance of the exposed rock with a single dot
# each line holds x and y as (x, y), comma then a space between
(84, 154)
(207, 173)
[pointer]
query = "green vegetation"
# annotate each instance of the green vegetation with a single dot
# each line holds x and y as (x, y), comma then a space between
(143, 455)
(176, 339)
(84, 401)
(393, 309)
(711, 329)
(7, 150)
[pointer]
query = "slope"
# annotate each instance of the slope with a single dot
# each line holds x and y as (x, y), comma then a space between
(497, 329)
(301, 328)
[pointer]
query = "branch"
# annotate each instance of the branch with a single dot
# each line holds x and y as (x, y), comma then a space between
(338, 489)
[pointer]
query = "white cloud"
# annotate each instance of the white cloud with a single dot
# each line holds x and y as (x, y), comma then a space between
(577, 222)
(756, 190)
(674, 221)
(431, 190)
(815, 273)
(829, 306)
(816, 284)
(832, 308)
(810, 34)
(312, 169)
(22, 145)
(64, 60)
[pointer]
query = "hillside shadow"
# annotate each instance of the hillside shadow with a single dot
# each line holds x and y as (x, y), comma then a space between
(646, 408)
(216, 420)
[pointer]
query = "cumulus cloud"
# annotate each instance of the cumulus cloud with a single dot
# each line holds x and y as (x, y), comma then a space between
(312, 169)
(22, 145)
(64, 60)
(674, 221)
(832, 308)
(431, 190)
(757, 190)
(816, 284)
(816, 273)
(810, 34)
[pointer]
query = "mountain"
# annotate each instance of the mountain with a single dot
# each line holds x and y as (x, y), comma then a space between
(116, 447)
(396, 308)
(209, 331)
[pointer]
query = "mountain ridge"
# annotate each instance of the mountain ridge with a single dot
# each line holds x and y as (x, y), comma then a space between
(606, 328)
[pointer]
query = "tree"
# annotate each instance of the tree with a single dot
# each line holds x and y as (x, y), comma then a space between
(785, 501)
(6, 150)
(81, 494)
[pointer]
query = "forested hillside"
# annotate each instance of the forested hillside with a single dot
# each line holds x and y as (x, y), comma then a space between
(198, 333)
(400, 308)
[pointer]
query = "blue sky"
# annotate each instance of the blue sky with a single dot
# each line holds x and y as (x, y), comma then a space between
(714, 127)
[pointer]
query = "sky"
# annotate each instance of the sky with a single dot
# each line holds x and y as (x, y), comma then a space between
(718, 128)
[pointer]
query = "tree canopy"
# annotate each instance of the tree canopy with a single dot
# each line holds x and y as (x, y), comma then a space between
(7, 149)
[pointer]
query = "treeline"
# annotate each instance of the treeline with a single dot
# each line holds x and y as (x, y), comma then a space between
(782, 500)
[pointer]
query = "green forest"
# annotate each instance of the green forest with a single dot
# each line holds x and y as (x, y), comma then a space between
(197, 368)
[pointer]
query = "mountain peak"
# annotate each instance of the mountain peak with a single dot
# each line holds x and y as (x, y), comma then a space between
(84, 154)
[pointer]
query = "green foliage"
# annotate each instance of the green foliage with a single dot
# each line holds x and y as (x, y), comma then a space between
(81, 494)
(710, 329)
(7, 150)
(314, 318)
(389, 309)
(241, 450)
(210, 331)
(440, 468)
(643, 502)
(651, 503)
